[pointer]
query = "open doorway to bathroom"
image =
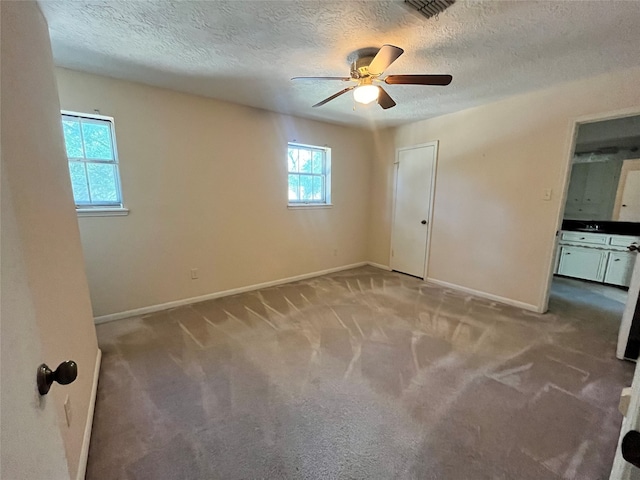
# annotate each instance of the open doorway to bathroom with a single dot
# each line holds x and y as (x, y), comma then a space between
(597, 242)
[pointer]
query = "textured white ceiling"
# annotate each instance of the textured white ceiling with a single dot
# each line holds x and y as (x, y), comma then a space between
(246, 51)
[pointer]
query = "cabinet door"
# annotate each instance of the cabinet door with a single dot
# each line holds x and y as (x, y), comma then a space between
(600, 189)
(577, 183)
(594, 190)
(575, 194)
(619, 268)
(582, 262)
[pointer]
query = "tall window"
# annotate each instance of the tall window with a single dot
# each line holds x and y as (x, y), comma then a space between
(309, 170)
(93, 160)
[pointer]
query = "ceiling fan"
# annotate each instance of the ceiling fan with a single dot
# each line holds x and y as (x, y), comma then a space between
(367, 69)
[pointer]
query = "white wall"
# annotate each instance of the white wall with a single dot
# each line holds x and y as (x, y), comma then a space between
(492, 231)
(46, 312)
(206, 184)
(185, 159)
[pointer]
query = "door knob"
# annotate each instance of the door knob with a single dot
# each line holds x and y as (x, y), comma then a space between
(66, 373)
(631, 448)
(633, 248)
(424, 222)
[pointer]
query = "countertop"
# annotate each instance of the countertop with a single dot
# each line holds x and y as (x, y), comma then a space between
(594, 226)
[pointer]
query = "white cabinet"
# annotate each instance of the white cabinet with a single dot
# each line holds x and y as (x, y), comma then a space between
(582, 262)
(592, 190)
(599, 257)
(619, 268)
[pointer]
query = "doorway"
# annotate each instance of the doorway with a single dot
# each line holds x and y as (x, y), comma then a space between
(412, 212)
(599, 230)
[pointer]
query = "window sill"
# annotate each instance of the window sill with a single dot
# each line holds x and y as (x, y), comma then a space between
(102, 212)
(303, 206)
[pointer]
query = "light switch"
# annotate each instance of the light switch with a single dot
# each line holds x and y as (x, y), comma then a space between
(546, 194)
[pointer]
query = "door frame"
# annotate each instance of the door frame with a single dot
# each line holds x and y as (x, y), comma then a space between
(396, 163)
(570, 146)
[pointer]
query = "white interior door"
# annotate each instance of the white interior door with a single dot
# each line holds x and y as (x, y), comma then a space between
(45, 306)
(31, 439)
(621, 469)
(412, 209)
(630, 208)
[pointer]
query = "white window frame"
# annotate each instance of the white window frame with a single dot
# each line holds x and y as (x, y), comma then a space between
(100, 208)
(326, 201)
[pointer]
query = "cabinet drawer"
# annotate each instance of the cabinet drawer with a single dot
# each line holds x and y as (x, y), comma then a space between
(623, 240)
(590, 238)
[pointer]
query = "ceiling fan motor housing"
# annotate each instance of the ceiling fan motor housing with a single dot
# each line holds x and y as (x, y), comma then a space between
(360, 68)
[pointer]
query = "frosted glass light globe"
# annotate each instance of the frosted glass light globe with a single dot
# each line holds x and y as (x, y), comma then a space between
(366, 94)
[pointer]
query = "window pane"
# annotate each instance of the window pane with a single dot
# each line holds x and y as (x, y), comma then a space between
(79, 182)
(72, 138)
(317, 162)
(97, 140)
(317, 189)
(102, 181)
(306, 188)
(305, 161)
(294, 184)
(293, 159)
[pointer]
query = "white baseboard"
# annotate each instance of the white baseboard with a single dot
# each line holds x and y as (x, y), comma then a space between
(225, 293)
(379, 265)
(84, 452)
(489, 296)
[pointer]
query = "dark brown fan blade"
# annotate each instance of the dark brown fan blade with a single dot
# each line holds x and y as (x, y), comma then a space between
(418, 79)
(384, 100)
(336, 95)
(344, 79)
(385, 57)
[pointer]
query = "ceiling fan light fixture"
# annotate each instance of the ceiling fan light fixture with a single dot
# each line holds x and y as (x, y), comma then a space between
(367, 69)
(366, 94)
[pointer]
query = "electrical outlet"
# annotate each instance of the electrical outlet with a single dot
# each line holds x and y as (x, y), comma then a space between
(194, 274)
(546, 194)
(67, 410)
(335, 252)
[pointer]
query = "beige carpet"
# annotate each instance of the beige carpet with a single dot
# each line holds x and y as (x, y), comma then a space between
(363, 374)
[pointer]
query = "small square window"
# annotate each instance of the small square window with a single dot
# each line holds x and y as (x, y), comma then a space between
(309, 175)
(93, 160)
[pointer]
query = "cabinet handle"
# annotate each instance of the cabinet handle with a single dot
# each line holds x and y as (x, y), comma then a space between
(616, 260)
(567, 253)
(581, 238)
